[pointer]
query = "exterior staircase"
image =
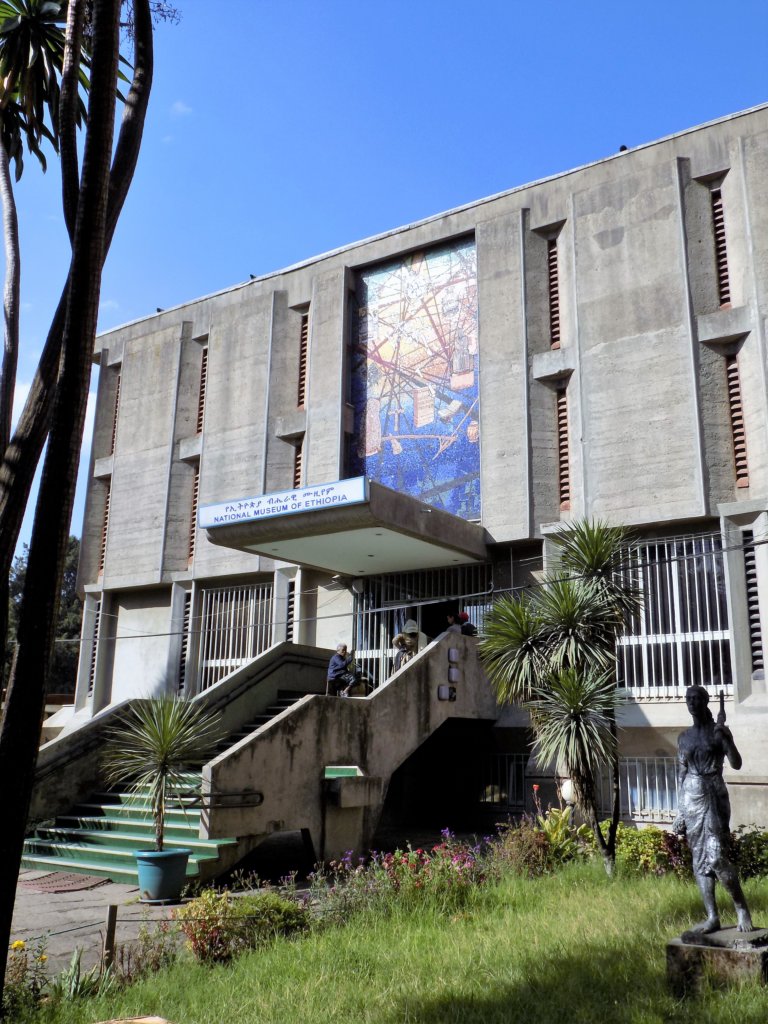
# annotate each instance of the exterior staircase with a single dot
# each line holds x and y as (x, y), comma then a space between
(99, 836)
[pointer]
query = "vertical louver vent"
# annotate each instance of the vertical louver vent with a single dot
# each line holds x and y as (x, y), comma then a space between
(193, 513)
(303, 350)
(290, 611)
(184, 647)
(721, 254)
(201, 392)
(554, 293)
(563, 460)
(104, 530)
(738, 432)
(94, 646)
(114, 415)
(298, 459)
(753, 602)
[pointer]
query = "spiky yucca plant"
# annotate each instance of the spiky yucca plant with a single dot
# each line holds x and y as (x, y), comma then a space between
(156, 742)
(553, 650)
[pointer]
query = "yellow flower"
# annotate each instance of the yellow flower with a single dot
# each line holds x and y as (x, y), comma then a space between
(42, 958)
(19, 944)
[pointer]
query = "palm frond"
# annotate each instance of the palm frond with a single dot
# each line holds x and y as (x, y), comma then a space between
(513, 648)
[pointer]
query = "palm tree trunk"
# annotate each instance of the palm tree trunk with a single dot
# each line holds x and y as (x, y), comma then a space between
(10, 299)
(24, 709)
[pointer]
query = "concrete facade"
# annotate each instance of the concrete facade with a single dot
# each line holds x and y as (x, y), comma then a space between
(651, 411)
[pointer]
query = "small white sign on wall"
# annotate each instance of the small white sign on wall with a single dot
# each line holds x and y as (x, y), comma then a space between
(300, 499)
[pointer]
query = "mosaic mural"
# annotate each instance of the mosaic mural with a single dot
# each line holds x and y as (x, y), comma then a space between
(414, 385)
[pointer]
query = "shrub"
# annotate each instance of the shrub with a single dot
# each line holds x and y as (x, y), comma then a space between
(75, 983)
(447, 872)
(751, 851)
(522, 848)
(155, 950)
(25, 979)
(652, 851)
(218, 925)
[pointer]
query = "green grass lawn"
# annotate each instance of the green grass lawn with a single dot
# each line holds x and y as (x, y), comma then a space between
(568, 948)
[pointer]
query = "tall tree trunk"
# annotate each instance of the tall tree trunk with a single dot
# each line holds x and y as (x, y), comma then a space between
(24, 711)
(17, 470)
(10, 299)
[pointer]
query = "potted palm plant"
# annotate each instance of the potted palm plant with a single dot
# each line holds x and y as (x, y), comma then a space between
(157, 741)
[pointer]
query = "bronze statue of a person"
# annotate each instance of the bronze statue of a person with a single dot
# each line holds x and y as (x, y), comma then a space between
(705, 810)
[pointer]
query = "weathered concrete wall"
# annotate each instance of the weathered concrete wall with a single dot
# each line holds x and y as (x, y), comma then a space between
(286, 759)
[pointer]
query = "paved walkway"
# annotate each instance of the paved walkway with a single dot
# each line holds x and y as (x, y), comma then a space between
(78, 919)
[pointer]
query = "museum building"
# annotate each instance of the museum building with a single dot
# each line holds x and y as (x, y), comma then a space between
(395, 429)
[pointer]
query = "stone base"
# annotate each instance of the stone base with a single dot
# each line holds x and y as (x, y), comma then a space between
(723, 956)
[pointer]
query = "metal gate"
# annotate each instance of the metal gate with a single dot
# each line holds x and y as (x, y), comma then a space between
(386, 603)
(235, 626)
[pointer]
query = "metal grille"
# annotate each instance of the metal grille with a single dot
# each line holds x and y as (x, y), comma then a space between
(193, 513)
(114, 415)
(184, 648)
(738, 433)
(563, 459)
(554, 293)
(104, 529)
(94, 646)
(681, 634)
(502, 781)
(303, 353)
(647, 786)
(721, 255)
(753, 602)
(202, 390)
(387, 602)
(235, 626)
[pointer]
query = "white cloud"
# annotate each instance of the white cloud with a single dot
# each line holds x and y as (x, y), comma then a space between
(180, 109)
(167, 138)
(107, 305)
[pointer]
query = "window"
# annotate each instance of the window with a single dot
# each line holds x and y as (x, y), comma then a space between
(236, 626)
(181, 684)
(681, 632)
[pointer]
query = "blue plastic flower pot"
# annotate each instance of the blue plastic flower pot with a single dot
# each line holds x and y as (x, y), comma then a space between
(162, 874)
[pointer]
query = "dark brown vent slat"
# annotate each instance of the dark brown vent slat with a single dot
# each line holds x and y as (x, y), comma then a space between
(738, 432)
(721, 254)
(303, 353)
(554, 293)
(201, 392)
(104, 530)
(94, 645)
(290, 611)
(114, 415)
(298, 460)
(184, 649)
(753, 602)
(563, 459)
(193, 515)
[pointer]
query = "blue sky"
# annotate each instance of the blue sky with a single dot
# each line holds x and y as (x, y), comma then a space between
(280, 129)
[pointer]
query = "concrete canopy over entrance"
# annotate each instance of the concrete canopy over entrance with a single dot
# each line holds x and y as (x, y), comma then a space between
(385, 532)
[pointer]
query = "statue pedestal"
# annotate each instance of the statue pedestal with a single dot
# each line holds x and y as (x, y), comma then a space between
(724, 956)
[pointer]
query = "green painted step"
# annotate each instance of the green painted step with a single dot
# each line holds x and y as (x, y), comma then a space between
(100, 836)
